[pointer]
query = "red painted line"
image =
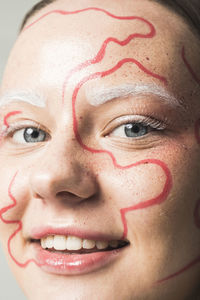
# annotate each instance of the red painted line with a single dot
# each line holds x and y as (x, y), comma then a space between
(190, 69)
(160, 198)
(99, 57)
(19, 223)
(195, 261)
(64, 13)
(101, 53)
(183, 270)
(154, 201)
(10, 114)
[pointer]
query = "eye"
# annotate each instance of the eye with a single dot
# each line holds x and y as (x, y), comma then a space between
(29, 135)
(131, 130)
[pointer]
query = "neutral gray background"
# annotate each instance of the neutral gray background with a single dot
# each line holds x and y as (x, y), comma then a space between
(11, 14)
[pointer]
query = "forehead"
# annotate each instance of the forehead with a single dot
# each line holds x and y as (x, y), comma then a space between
(61, 37)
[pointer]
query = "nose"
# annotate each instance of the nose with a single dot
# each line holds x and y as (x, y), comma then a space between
(61, 175)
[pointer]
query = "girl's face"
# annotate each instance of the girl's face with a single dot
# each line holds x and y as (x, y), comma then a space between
(100, 153)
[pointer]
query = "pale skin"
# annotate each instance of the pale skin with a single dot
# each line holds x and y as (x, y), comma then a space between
(61, 182)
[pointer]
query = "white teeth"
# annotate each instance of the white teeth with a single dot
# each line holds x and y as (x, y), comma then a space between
(50, 242)
(59, 242)
(73, 243)
(88, 244)
(101, 245)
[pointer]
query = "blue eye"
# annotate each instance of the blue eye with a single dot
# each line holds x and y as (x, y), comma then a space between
(135, 130)
(131, 130)
(29, 135)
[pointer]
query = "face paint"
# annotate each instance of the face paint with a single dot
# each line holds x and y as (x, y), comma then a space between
(5, 123)
(196, 213)
(98, 96)
(190, 69)
(195, 261)
(11, 206)
(162, 196)
(23, 96)
(98, 58)
(17, 222)
(13, 113)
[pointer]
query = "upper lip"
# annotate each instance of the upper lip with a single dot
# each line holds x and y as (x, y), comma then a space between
(44, 231)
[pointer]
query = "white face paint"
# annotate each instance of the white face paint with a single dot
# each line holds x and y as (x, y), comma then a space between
(27, 96)
(100, 96)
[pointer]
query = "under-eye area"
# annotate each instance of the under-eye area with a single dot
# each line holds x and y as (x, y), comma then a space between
(76, 245)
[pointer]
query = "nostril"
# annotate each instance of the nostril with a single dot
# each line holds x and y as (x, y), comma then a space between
(67, 197)
(65, 194)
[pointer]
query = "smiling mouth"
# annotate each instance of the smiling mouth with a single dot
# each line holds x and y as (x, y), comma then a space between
(75, 245)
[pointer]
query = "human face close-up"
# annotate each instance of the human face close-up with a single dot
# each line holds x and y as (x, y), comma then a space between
(100, 153)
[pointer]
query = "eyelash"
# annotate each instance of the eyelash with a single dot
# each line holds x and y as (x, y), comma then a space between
(13, 128)
(152, 123)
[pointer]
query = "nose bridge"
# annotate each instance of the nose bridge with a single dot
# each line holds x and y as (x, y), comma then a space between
(62, 171)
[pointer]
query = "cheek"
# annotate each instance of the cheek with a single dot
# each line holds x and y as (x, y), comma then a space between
(14, 196)
(138, 184)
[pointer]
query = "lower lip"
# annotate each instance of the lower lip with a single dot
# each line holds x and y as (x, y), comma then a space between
(75, 264)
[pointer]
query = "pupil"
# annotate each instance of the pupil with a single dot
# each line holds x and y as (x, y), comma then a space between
(34, 135)
(135, 130)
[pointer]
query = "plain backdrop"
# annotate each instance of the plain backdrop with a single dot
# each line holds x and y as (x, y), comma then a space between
(11, 14)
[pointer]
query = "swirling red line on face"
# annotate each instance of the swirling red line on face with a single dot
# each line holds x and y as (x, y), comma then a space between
(181, 271)
(17, 222)
(197, 207)
(195, 261)
(150, 202)
(5, 122)
(11, 206)
(101, 53)
(98, 75)
(10, 114)
(190, 69)
(64, 12)
(196, 215)
(196, 220)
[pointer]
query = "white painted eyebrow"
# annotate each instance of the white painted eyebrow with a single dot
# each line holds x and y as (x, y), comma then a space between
(100, 96)
(29, 97)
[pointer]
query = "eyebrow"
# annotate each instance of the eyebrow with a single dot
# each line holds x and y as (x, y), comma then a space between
(97, 97)
(29, 97)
